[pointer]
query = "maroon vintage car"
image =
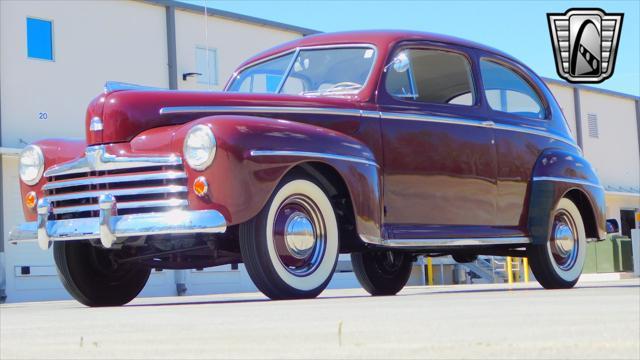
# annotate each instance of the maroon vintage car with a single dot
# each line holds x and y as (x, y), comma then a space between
(386, 145)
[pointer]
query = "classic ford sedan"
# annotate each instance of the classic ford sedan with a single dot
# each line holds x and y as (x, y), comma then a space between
(385, 145)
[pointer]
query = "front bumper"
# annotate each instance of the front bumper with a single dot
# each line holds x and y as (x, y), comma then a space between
(110, 228)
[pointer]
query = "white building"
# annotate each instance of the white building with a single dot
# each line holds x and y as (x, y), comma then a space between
(53, 62)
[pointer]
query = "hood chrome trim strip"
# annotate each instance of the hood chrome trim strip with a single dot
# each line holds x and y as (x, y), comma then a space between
(258, 109)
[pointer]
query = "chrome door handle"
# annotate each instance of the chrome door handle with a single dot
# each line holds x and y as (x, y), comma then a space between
(488, 123)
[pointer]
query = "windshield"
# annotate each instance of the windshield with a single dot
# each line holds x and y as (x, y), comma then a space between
(334, 71)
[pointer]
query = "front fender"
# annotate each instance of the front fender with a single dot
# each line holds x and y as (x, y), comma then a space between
(54, 151)
(255, 153)
(559, 173)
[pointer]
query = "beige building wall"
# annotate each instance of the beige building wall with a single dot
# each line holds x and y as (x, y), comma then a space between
(620, 201)
(247, 40)
(127, 42)
(564, 97)
(614, 152)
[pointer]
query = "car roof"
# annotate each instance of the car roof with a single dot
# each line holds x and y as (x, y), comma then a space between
(382, 39)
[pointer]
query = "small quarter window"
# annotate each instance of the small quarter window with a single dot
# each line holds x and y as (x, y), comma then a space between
(432, 76)
(508, 92)
(39, 39)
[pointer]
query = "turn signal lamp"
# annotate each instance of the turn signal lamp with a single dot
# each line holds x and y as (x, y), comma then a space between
(200, 186)
(31, 199)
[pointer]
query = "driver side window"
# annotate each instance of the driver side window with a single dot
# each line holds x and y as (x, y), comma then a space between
(430, 76)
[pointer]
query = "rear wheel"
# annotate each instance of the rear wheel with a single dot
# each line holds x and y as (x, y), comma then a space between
(290, 249)
(91, 276)
(382, 272)
(558, 263)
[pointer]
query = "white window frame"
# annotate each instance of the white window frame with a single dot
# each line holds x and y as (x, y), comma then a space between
(204, 78)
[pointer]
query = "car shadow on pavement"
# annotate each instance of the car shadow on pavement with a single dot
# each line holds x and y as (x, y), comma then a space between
(240, 301)
(428, 291)
(435, 291)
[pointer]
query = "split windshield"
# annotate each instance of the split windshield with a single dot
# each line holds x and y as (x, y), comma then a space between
(326, 71)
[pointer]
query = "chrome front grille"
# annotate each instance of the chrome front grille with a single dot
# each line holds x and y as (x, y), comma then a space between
(139, 185)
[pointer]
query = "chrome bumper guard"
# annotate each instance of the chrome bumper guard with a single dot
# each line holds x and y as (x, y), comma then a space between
(109, 227)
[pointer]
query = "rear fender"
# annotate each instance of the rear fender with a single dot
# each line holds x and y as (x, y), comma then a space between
(558, 174)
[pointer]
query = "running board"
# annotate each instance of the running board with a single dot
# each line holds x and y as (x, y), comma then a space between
(448, 243)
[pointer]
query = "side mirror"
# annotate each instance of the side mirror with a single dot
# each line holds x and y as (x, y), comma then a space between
(400, 63)
(612, 226)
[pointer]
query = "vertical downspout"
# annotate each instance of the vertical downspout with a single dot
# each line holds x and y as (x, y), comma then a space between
(638, 122)
(172, 67)
(578, 115)
(3, 282)
(172, 60)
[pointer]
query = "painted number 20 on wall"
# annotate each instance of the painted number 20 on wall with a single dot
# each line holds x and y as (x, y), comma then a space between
(42, 116)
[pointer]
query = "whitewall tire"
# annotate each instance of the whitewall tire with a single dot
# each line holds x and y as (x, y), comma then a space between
(558, 263)
(290, 249)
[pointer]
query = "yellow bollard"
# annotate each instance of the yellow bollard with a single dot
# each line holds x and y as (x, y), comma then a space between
(509, 270)
(430, 271)
(525, 268)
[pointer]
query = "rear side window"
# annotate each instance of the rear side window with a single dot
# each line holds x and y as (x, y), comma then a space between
(430, 76)
(507, 91)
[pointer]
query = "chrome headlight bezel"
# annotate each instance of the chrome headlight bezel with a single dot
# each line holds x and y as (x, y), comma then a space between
(210, 145)
(33, 179)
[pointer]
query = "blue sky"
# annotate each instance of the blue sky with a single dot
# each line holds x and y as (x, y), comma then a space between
(516, 27)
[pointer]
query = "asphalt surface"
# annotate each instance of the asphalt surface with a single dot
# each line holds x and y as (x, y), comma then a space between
(594, 320)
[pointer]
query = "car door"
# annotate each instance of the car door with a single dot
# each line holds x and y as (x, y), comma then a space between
(439, 156)
(520, 114)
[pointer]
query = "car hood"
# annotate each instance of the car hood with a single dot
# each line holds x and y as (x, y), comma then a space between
(119, 116)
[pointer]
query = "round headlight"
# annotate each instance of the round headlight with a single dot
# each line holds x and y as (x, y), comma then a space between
(31, 164)
(199, 147)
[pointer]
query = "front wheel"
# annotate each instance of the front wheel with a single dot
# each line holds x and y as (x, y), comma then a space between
(92, 277)
(382, 272)
(290, 249)
(558, 263)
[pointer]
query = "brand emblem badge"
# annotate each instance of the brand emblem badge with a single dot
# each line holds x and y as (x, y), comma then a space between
(585, 43)
(96, 124)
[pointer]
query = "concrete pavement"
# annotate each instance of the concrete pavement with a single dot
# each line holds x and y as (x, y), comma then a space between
(594, 320)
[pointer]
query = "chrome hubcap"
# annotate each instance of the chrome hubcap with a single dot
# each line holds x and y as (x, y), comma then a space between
(564, 241)
(299, 235)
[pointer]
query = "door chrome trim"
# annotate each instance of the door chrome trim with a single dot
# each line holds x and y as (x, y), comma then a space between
(313, 154)
(441, 243)
(567, 180)
(433, 119)
(473, 122)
